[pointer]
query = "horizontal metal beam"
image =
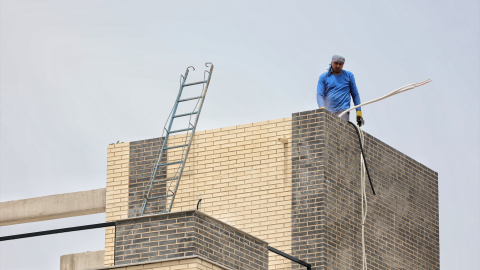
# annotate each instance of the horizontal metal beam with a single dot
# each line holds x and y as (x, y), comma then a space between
(170, 163)
(184, 114)
(187, 99)
(161, 196)
(180, 130)
(176, 146)
(165, 180)
(188, 84)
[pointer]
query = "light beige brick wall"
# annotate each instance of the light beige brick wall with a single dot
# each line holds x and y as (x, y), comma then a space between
(243, 174)
(180, 264)
(116, 192)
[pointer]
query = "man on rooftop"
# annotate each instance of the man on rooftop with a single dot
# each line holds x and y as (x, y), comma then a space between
(335, 88)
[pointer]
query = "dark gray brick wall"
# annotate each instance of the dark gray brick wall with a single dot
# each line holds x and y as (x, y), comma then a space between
(181, 234)
(143, 157)
(402, 224)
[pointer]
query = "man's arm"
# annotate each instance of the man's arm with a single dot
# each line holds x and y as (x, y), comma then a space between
(321, 92)
(356, 100)
(354, 92)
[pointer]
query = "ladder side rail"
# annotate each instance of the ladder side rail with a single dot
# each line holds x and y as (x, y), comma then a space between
(191, 135)
(187, 137)
(186, 141)
(165, 141)
(179, 169)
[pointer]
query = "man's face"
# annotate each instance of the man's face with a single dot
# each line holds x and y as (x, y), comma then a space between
(337, 67)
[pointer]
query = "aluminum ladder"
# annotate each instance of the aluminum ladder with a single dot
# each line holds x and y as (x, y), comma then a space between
(171, 183)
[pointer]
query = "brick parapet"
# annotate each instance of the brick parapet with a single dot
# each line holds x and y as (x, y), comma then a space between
(187, 233)
(402, 222)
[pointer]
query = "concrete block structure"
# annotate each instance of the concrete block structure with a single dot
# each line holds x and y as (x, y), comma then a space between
(52, 207)
(291, 183)
(82, 261)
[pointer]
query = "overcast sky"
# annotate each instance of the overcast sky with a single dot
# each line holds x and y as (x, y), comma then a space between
(78, 75)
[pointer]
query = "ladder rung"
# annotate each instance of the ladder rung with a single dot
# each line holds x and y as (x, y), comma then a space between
(158, 197)
(187, 99)
(188, 84)
(176, 146)
(180, 130)
(170, 163)
(164, 180)
(184, 114)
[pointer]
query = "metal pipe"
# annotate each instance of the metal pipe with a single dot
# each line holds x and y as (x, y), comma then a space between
(290, 257)
(69, 229)
(198, 203)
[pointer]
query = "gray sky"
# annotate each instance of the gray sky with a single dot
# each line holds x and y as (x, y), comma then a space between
(78, 75)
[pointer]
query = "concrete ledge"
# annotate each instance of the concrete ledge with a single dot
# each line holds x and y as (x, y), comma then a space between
(82, 261)
(52, 207)
(156, 264)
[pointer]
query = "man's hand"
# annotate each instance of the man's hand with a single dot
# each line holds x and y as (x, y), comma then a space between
(360, 121)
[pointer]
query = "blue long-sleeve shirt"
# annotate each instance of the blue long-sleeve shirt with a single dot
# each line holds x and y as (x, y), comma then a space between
(334, 91)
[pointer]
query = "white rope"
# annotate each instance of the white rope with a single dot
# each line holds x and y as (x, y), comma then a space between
(363, 171)
(363, 176)
(398, 91)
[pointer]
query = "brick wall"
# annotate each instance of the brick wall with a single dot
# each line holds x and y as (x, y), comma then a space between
(187, 233)
(402, 225)
(116, 192)
(143, 158)
(242, 174)
(306, 203)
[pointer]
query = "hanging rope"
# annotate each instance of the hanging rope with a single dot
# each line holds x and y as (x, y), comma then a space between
(363, 167)
(363, 173)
